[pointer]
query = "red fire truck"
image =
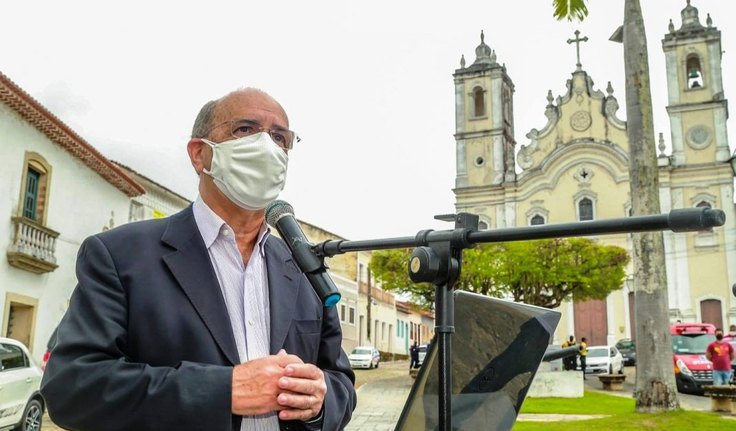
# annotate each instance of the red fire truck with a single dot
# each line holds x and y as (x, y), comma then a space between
(692, 368)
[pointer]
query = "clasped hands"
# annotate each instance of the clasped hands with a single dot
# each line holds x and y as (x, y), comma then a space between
(280, 382)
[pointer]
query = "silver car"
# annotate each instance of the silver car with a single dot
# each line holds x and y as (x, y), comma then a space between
(21, 405)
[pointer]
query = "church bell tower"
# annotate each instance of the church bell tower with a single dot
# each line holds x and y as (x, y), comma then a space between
(484, 121)
(697, 106)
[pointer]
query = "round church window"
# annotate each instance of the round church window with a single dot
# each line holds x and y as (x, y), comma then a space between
(479, 161)
(698, 137)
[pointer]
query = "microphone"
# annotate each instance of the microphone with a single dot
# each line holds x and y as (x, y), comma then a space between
(280, 215)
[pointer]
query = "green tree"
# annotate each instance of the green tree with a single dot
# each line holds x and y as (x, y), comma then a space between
(390, 268)
(543, 272)
(548, 272)
(655, 383)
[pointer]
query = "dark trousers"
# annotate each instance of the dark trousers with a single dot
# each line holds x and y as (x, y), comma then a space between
(570, 363)
(582, 364)
(414, 363)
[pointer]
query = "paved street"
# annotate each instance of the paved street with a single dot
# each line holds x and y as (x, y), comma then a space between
(381, 397)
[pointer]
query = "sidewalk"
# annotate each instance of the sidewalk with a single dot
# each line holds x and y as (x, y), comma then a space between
(380, 404)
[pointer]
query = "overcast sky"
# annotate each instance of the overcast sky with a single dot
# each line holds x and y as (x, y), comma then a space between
(367, 85)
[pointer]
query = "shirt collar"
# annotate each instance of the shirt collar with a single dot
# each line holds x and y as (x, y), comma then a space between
(210, 225)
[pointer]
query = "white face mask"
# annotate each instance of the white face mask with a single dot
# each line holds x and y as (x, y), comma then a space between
(250, 171)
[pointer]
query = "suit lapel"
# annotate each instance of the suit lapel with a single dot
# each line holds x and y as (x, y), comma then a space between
(192, 268)
(283, 289)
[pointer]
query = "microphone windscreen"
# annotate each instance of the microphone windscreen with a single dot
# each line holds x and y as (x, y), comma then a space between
(276, 210)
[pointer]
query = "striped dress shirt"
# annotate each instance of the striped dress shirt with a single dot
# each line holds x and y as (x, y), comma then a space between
(245, 290)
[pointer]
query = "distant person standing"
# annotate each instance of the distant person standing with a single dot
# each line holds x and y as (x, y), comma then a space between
(569, 364)
(414, 355)
(721, 354)
(583, 354)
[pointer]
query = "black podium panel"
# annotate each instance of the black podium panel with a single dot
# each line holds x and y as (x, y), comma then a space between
(496, 350)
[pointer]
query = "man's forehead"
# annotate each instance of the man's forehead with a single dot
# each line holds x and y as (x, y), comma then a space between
(238, 102)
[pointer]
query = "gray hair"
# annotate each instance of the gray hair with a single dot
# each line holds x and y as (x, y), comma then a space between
(203, 123)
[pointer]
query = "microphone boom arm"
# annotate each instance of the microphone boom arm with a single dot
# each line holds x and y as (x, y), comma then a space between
(678, 220)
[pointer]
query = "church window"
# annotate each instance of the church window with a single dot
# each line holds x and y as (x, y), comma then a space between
(536, 220)
(482, 225)
(585, 209)
(479, 102)
(694, 72)
(479, 161)
(35, 186)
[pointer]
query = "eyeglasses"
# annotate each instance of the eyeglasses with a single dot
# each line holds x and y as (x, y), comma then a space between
(284, 138)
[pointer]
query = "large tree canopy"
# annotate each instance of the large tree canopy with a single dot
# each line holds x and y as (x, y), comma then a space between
(543, 273)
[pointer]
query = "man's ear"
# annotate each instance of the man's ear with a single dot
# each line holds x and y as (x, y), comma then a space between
(198, 154)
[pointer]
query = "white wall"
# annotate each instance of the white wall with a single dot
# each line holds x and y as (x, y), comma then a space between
(80, 203)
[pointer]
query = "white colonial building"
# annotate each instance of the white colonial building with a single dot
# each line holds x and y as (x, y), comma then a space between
(52, 179)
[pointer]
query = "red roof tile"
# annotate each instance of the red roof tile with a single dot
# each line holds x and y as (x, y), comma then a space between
(58, 132)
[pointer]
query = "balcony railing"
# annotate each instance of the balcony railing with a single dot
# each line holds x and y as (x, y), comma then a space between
(33, 246)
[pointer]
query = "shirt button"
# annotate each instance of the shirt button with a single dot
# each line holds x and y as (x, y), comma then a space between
(225, 232)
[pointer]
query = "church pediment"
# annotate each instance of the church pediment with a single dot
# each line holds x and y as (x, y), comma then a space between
(608, 158)
(582, 113)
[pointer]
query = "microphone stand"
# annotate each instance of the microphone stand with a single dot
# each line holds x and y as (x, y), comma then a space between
(437, 258)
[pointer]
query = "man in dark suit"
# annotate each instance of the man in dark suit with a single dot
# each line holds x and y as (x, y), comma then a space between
(202, 321)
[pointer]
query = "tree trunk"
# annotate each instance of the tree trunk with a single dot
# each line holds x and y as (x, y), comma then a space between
(655, 383)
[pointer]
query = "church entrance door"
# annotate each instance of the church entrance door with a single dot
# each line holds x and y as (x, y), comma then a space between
(591, 322)
(710, 312)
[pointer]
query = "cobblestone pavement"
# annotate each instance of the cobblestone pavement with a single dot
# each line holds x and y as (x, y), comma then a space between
(381, 398)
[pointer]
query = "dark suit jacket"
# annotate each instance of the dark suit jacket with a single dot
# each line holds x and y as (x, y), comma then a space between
(146, 343)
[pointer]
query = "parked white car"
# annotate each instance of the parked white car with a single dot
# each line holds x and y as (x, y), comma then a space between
(364, 357)
(604, 359)
(21, 405)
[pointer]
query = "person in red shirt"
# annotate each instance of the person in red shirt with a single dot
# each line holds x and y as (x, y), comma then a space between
(721, 354)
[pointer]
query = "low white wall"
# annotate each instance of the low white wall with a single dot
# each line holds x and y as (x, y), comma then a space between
(559, 384)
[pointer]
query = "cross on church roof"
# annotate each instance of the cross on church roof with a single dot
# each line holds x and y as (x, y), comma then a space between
(577, 41)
